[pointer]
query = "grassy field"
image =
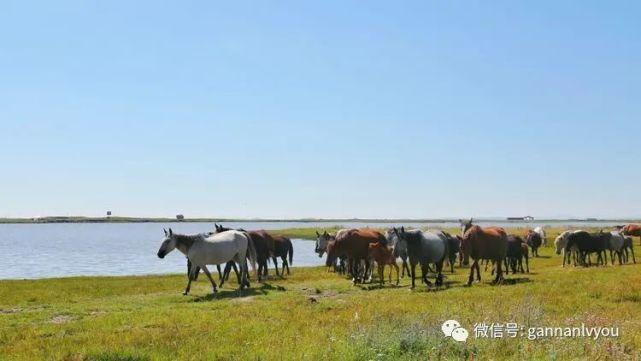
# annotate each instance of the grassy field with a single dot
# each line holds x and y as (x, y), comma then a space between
(315, 315)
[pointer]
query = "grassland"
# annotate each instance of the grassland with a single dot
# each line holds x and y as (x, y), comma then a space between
(317, 315)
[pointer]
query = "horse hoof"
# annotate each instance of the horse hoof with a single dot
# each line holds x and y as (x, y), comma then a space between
(185, 293)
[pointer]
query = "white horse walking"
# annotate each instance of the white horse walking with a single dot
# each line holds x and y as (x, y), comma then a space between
(203, 250)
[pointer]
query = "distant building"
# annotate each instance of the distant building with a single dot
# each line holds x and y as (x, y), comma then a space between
(180, 217)
(526, 218)
(108, 214)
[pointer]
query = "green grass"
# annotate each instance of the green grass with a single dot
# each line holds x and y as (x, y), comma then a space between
(316, 315)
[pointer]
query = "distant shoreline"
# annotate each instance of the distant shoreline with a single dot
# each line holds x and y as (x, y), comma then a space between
(79, 219)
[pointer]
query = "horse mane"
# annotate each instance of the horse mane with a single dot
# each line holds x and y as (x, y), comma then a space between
(186, 240)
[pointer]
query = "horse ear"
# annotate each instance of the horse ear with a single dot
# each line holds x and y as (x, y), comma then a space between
(317, 234)
(164, 230)
(171, 233)
(402, 229)
(470, 220)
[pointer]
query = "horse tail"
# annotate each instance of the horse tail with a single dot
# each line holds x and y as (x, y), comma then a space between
(290, 250)
(251, 251)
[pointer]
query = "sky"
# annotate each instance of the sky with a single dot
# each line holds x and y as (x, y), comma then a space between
(329, 109)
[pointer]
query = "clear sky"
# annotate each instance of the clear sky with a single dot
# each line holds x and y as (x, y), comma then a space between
(325, 109)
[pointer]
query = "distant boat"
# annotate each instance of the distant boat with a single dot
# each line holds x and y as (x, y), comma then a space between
(526, 218)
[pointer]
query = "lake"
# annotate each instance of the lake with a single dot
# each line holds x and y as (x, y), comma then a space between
(114, 249)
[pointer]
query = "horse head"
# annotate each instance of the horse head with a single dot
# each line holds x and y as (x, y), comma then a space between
(321, 243)
(465, 225)
(167, 244)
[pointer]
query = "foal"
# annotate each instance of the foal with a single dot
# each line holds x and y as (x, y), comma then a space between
(383, 255)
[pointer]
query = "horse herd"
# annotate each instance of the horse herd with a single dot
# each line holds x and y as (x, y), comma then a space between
(355, 251)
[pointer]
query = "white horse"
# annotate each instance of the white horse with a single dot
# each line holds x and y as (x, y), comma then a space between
(202, 250)
(541, 233)
(561, 242)
(616, 245)
(400, 249)
(323, 239)
(424, 248)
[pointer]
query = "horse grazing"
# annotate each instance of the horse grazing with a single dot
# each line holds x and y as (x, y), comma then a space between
(354, 245)
(534, 240)
(488, 243)
(632, 230)
(517, 250)
(383, 255)
(400, 249)
(424, 248)
(283, 247)
(215, 249)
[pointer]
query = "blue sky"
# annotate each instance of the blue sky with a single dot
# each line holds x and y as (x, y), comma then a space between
(327, 109)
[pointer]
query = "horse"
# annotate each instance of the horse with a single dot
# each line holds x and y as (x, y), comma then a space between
(383, 255)
(283, 247)
(560, 245)
(322, 243)
(214, 249)
(517, 250)
(586, 244)
(628, 247)
(264, 244)
(488, 243)
(632, 230)
(424, 248)
(323, 239)
(541, 233)
(354, 245)
(534, 240)
(615, 245)
(400, 250)
(453, 249)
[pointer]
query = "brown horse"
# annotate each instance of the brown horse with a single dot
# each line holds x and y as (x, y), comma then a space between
(282, 248)
(383, 255)
(265, 247)
(632, 230)
(354, 244)
(488, 243)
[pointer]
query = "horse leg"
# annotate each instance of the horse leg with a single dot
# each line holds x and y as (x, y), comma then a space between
(192, 273)
(285, 264)
(632, 251)
(425, 268)
(439, 274)
(220, 274)
(471, 278)
(276, 266)
(381, 273)
(478, 272)
(397, 276)
(412, 273)
(213, 284)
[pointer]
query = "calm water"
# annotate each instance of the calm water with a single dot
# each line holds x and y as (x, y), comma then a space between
(77, 249)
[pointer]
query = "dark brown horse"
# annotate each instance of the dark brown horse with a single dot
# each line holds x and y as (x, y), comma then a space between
(354, 245)
(632, 230)
(488, 243)
(534, 240)
(264, 244)
(283, 247)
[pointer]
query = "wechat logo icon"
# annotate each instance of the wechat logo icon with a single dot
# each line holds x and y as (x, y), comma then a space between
(452, 328)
